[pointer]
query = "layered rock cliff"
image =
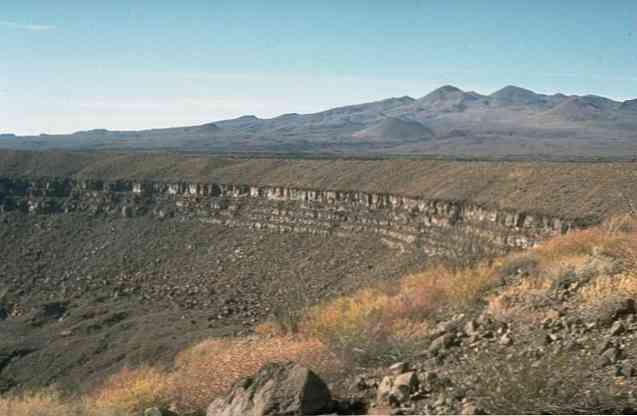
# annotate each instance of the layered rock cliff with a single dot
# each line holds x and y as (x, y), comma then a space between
(403, 222)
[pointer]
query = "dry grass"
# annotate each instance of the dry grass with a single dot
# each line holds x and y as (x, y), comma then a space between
(606, 290)
(204, 372)
(372, 318)
(608, 238)
(270, 329)
(607, 254)
(41, 403)
(207, 370)
(521, 302)
(131, 391)
(349, 320)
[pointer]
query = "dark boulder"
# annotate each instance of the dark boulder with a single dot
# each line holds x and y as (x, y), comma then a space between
(281, 389)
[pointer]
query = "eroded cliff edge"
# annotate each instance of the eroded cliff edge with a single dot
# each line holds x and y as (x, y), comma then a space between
(571, 191)
(402, 222)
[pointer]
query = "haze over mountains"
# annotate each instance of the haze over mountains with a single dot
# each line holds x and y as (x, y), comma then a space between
(511, 122)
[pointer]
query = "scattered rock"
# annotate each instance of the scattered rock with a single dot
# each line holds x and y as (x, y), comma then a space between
(384, 390)
(506, 340)
(396, 391)
(471, 328)
(618, 328)
(618, 310)
(404, 385)
(48, 312)
(281, 389)
(442, 342)
(469, 408)
(610, 356)
(626, 370)
(399, 368)
(360, 384)
(158, 411)
(442, 328)
(550, 338)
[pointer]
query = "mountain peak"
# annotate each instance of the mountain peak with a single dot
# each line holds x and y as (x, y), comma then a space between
(451, 88)
(513, 91)
(512, 95)
(443, 93)
(446, 89)
(247, 117)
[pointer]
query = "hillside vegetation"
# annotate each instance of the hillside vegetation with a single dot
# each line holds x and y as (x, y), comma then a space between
(517, 334)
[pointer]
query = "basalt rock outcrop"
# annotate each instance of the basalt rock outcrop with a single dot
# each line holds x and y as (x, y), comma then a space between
(403, 222)
(277, 389)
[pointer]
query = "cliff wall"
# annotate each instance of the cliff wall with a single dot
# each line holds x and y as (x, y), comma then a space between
(403, 222)
(575, 191)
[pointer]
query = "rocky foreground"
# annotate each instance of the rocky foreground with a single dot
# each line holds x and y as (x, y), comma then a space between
(558, 356)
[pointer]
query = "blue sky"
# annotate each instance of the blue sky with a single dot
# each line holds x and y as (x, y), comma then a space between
(71, 65)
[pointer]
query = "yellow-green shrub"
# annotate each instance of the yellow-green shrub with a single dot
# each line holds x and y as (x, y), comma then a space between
(130, 391)
(48, 402)
(206, 370)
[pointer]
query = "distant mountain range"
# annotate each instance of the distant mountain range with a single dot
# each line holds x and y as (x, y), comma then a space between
(511, 122)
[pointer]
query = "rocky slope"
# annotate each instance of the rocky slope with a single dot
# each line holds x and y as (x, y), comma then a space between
(112, 259)
(477, 362)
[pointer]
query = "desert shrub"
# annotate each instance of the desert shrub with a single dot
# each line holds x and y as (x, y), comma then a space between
(286, 318)
(441, 286)
(206, 370)
(626, 250)
(351, 323)
(525, 263)
(601, 296)
(607, 238)
(373, 323)
(269, 329)
(522, 301)
(577, 257)
(131, 391)
(555, 384)
(41, 403)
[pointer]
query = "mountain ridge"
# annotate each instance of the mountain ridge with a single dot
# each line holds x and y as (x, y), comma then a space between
(512, 121)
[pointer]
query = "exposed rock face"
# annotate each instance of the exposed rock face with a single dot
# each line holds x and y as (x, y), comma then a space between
(403, 222)
(275, 390)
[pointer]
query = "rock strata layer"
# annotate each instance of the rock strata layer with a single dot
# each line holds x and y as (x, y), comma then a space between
(403, 222)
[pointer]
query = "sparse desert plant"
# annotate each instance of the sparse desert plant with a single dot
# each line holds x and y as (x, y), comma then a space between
(286, 318)
(371, 322)
(606, 238)
(269, 329)
(555, 384)
(514, 264)
(602, 295)
(130, 391)
(48, 402)
(349, 320)
(441, 286)
(206, 370)
(522, 301)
